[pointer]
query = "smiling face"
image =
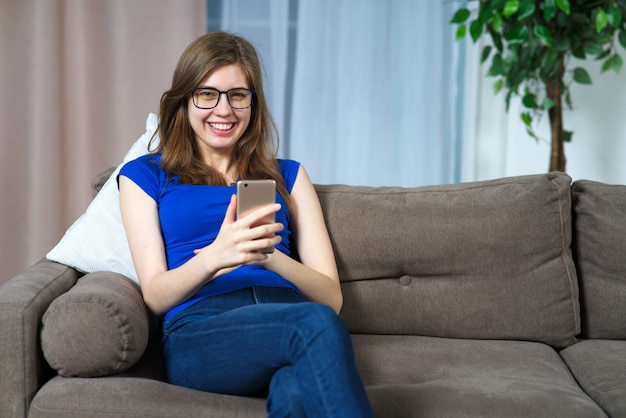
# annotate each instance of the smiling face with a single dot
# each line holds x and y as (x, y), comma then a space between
(217, 130)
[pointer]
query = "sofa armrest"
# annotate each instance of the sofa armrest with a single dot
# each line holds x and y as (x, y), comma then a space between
(23, 301)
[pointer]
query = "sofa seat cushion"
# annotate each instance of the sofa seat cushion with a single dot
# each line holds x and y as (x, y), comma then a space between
(599, 367)
(135, 397)
(485, 260)
(411, 376)
(99, 327)
(600, 252)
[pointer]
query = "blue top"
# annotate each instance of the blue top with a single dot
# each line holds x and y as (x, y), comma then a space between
(191, 217)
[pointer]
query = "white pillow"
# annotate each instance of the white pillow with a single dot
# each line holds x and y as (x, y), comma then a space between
(97, 241)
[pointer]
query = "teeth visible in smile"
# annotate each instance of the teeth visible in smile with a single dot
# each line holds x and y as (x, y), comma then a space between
(222, 126)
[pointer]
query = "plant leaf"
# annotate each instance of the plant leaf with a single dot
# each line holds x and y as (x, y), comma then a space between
(485, 13)
(544, 35)
(581, 76)
(622, 38)
(614, 63)
(532, 134)
(527, 119)
(530, 101)
(563, 5)
(593, 48)
(476, 29)
(604, 54)
(579, 53)
(549, 9)
(618, 63)
(497, 66)
(547, 104)
(526, 9)
(507, 100)
(568, 100)
(549, 63)
(460, 16)
(614, 17)
(605, 66)
(497, 86)
(460, 32)
(602, 20)
(496, 22)
(567, 136)
(562, 44)
(497, 40)
(518, 35)
(485, 53)
(510, 8)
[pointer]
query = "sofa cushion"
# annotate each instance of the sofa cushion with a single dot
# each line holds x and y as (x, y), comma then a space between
(486, 259)
(96, 241)
(598, 366)
(600, 253)
(132, 397)
(408, 376)
(100, 327)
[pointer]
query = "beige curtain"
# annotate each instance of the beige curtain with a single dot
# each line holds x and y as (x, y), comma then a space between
(77, 80)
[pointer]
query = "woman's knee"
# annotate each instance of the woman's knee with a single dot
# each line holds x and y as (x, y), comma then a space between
(318, 324)
(285, 395)
(320, 316)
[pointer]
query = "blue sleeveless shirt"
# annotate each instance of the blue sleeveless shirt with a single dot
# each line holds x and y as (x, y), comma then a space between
(191, 217)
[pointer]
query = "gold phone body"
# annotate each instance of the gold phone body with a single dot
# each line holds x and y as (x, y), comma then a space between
(253, 194)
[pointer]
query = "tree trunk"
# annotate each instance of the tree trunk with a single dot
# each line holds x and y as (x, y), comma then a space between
(554, 91)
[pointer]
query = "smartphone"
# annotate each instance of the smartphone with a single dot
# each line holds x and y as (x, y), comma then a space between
(253, 194)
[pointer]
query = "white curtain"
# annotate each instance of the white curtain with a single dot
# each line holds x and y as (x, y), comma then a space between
(268, 25)
(365, 92)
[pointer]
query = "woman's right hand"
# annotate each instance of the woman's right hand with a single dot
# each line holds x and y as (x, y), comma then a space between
(239, 242)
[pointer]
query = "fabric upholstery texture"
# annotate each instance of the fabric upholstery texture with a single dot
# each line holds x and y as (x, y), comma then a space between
(132, 397)
(600, 250)
(23, 301)
(100, 327)
(476, 260)
(599, 367)
(418, 376)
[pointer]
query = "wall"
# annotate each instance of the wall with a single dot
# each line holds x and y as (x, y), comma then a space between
(78, 79)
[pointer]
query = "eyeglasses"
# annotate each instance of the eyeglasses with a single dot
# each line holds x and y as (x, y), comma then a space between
(208, 98)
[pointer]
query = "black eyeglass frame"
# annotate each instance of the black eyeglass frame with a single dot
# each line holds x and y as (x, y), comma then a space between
(219, 97)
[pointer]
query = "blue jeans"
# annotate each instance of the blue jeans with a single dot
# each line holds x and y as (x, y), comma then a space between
(267, 341)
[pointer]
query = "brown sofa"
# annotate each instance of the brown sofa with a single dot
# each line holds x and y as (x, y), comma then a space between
(487, 299)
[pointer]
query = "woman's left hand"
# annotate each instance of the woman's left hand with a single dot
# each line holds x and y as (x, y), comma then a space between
(241, 241)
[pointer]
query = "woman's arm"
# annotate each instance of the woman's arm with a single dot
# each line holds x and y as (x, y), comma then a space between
(236, 244)
(316, 276)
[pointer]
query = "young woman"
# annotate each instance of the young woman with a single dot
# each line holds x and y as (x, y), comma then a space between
(236, 320)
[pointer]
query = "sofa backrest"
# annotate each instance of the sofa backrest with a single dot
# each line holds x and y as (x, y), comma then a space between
(487, 259)
(600, 253)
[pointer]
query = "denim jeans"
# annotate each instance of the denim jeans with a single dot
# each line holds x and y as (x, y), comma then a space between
(267, 341)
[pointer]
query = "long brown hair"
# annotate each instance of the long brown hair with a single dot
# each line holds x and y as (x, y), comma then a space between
(254, 153)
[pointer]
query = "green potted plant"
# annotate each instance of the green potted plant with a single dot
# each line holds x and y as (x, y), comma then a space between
(533, 46)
